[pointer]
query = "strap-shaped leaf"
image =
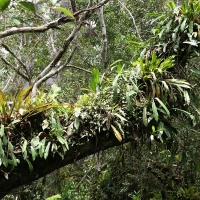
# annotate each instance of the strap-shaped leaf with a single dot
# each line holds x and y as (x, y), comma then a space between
(155, 111)
(117, 133)
(163, 105)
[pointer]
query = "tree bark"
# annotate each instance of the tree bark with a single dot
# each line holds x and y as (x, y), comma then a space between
(21, 174)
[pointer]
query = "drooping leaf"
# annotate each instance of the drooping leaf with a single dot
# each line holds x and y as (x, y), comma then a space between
(76, 123)
(183, 25)
(24, 146)
(28, 6)
(65, 11)
(35, 142)
(46, 153)
(2, 130)
(16, 21)
(171, 5)
(120, 117)
(144, 117)
(4, 4)
(33, 153)
(29, 165)
(42, 147)
(117, 133)
(155, 111)
(163, 105)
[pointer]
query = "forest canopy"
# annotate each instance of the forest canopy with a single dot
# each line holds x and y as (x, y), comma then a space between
(83, 76)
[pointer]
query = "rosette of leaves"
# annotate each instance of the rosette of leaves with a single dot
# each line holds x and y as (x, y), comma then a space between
(178, 31)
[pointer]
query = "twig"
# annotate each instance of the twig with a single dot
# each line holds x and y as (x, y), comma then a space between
(104, 37)
(77, 187)
(79, 68)
(15, 56)
(132, 19)
(91, 8)
(15, 69)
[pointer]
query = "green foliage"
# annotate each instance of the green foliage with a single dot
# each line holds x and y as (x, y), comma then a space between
(4, 4)
(65, 11)
(55, 197)
(28, 6)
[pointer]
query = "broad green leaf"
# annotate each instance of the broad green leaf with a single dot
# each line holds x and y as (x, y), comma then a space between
(183, 25)
(168, 26)
(29, 165)
(14, 160)
(191, 27)
(10, 147)
(24, 146)
(144, 118)
(162, 104)
(155, 111)
(76, 123)
(4, 4)
(16, 21)
(114, 83)
(186, 97)
(46, 153)
(171, 5)
(196, 71)
(35, 141)
(45, 124)
(192, 42)
(28, 5)
(1, 148)
(77, 111)
(33, 153)
(2, 130)
(65, 11)
(4, 160)
(42, 147)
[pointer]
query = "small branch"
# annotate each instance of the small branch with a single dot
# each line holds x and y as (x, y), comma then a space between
(132, 18)
(15, 69)
(86, 174)
(43, 28)
(79, 68)
(104, 37)
(51, 73)
(52, 42)
(99, 160)
(91, 8)
(15, 56)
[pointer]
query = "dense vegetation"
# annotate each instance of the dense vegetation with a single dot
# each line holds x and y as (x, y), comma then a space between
(142, 96)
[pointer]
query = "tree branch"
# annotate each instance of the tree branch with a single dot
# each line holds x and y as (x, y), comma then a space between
(21, 174)
(100, 4)
(15, 56)
(43, 28)
(17, 70)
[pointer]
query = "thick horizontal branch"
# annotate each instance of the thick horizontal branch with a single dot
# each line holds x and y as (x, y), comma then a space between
(43, 28)
(21, 174)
